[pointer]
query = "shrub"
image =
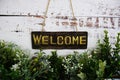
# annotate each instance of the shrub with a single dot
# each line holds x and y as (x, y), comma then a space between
(71, 66)
(105, 52)
(58, 71)
(102, 62)
(9, 53)
(40, 66)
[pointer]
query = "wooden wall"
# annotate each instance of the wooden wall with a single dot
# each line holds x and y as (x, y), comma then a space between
(18, 18)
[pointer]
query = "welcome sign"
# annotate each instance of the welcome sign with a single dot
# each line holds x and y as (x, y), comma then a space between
(59, 40)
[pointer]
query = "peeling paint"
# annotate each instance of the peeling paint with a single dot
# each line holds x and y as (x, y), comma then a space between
(18, 21)
(17, 31)
(93, 22)
(73, 19)
(62, 17)
(73, 24)
(57, 23)
(65, 23)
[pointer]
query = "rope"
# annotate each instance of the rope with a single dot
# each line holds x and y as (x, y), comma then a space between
(73, 12)
(45, 15)
(43, 24)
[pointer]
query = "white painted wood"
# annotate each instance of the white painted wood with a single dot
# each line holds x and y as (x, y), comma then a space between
(29, 16)
(61, 7)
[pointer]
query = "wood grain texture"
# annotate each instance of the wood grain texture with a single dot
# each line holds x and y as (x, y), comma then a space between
(18, 18)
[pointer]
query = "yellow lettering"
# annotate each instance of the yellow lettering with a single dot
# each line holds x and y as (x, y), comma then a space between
(37, 39)
(60, 40)
(51, 40)
(67, 40)
(75, 40)
(45, 40)
(82, 39)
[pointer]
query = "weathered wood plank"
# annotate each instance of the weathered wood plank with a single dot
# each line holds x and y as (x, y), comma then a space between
(61, 7)
(18, 18)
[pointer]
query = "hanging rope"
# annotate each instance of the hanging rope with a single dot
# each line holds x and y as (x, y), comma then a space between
(73, 12)
(43, 24)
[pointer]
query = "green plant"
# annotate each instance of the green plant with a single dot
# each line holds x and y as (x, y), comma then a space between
(103, 52)
(102, 62)
(72, 67)
(100, 71)
(89, 66)
(116, 57)
(3, 72)
(110, 55)
(8, 56)
(20, 70)
(39, 66)
(8, 53)
(58, 70)
(30, 68)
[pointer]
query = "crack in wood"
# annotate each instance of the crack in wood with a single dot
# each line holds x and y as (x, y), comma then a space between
(37, 16)
(17, 31)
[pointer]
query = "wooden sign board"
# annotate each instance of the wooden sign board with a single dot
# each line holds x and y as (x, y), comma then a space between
(59, 40)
